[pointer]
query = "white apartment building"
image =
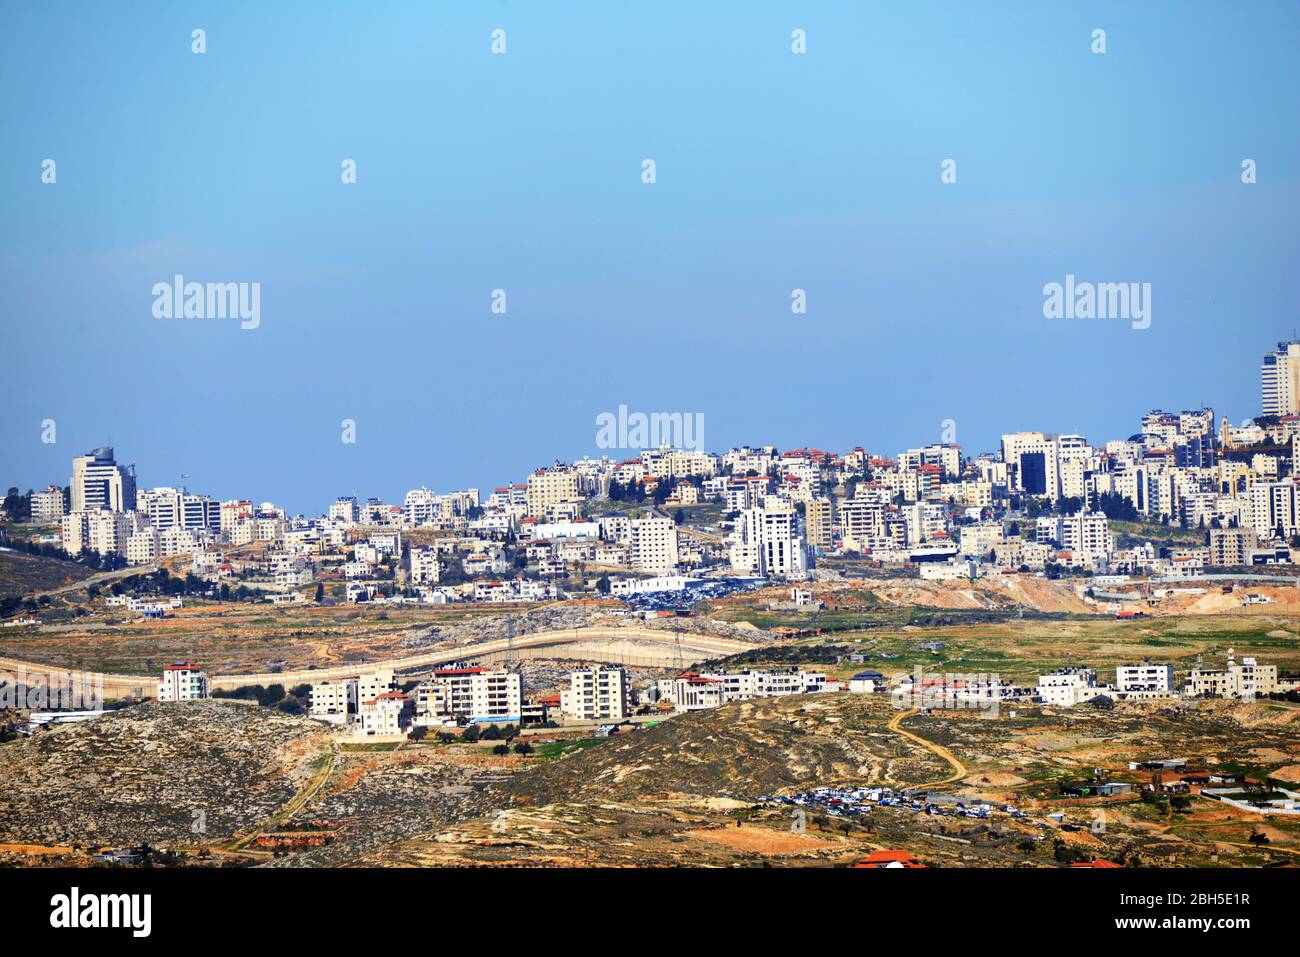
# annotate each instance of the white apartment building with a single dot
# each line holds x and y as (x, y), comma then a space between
(177, 541)
(862, 521)
(375, 683)
(103, 532)
(425, 567)
(596, 694)
(979, 540)
(782, 553)
(1144, 677)
(947, 457)
(345, 511)
(1086, 535)
(142, 547)
(171, 507)
(47, 505)
(1069, 686)
(654, 545)
(767, 541)
(1273, 506)
(182, 681)
(469, 694)
(334, 701)
(692, 692)
(421, 507)
(742, 685)
(386, 714)
(1279, 380)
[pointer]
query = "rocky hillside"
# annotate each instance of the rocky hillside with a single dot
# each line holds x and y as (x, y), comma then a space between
(140, 775)
(743, 750)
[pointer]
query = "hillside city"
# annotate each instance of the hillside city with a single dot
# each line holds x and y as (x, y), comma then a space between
(668, 526)
(668, 518)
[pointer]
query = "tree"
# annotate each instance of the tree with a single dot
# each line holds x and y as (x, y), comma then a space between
(523, 747)
(17, 507)
(320, 592)
(470, 734)
(602, 584)
(1064, 853)
(501, 749)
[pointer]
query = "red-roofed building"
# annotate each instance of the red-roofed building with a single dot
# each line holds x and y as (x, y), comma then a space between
(889, 859)
(385, 714)
(691, 691)
(182, 681)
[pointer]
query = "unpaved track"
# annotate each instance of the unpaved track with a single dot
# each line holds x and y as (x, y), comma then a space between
(959, 769)
(295, 803)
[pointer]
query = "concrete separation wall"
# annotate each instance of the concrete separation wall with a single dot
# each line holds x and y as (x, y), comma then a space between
(694, 647)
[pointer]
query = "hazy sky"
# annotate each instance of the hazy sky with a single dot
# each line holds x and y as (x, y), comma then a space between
(522, 172)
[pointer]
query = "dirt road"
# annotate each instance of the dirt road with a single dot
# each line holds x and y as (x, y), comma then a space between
(959, 769)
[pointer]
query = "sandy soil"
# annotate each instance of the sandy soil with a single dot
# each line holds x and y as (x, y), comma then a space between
(762, 840)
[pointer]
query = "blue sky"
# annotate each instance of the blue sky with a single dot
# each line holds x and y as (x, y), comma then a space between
(522, 172)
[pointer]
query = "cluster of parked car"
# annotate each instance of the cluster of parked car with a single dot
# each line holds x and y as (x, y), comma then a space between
(695, 592)
(839, 802)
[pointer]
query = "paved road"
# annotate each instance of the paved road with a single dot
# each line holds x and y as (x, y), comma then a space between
(99, 578)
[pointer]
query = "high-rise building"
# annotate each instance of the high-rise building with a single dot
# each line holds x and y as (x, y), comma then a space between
(172, 508)
(1279, 376)
(98, 531)
(469, 694)
(553, 486)
(769, 542)
(1273, 509)
(98, 482)
(1033, 462)
(654, 544)
(862, 520)
(596, 694)
(818, 519)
